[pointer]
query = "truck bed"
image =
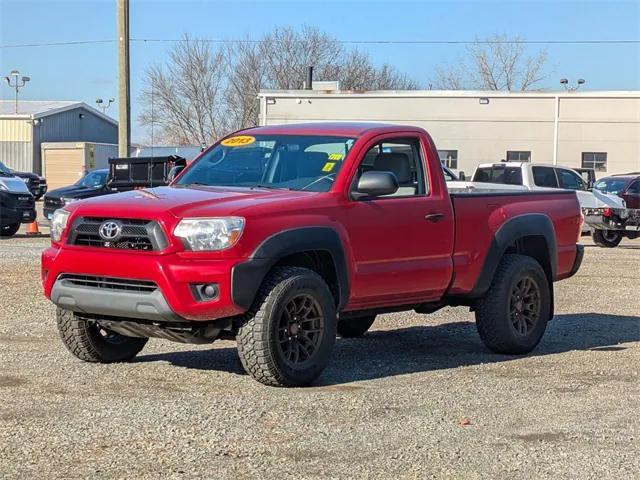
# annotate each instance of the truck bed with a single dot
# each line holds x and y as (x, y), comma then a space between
(472, 241)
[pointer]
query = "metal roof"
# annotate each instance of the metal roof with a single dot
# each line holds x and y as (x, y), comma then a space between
(42, 108)
(447, 94)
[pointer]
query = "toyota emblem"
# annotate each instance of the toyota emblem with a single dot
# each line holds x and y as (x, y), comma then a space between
(110, 230)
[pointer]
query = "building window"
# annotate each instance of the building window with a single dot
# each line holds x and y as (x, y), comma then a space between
(513, 156)
(595, 160)
(449, 158)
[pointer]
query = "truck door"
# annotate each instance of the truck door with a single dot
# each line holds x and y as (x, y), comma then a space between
(632, 195)
(402, 243)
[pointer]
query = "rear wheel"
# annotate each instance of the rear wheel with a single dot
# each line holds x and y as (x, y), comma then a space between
(287, 338)
(606, 238)
(355, 327)
(92, 343)
(513, 315)
(9, 230)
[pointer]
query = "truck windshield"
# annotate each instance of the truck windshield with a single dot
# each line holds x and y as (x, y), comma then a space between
(5, 171)
(93, 180)
(610, 185)
(498, 174)
(294, 162)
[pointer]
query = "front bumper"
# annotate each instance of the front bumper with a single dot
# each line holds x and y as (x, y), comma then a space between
(174, 275)
(16, 208)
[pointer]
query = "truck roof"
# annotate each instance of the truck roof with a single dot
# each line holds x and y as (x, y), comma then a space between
(521, 164)
(347, 129)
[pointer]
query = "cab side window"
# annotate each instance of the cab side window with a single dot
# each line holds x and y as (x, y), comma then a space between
(634, 188)
(544, 177)
(570, 180)
(403, 158)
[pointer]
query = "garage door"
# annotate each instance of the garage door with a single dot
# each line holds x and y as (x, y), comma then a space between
(63, 166)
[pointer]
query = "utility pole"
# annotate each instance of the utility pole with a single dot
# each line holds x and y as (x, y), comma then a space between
(124, 84)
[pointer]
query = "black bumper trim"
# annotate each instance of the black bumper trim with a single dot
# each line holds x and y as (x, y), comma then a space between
(577, 261)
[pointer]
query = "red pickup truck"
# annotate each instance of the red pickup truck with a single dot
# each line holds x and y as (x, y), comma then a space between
(282, 236)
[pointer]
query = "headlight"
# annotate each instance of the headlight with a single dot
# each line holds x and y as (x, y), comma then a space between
(201, 234)
(58, 224)
(68, 200)
(3, 187)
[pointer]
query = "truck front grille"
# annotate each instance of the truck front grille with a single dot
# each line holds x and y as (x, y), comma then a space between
(137, 234)
(53, 202)
(110, 283)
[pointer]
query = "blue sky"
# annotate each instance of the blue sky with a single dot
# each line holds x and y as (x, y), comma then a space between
(85, 72)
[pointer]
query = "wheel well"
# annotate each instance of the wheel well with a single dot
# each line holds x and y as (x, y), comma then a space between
(321, 262)
(534, 246)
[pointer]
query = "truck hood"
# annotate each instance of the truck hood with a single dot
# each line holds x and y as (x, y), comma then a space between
(183, 202)
(75, 191)
(14, 185)
(598, 199)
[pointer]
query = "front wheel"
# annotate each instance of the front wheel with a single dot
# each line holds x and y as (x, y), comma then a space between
(606, 238)
(287, 338)
(90, 342)
(512, 317)
(9, 230)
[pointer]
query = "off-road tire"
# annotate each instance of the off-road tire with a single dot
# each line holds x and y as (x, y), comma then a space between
(84, 340)
(610, 239)
(9, 230)
(355, 327)
(493, 312)
(258, 336)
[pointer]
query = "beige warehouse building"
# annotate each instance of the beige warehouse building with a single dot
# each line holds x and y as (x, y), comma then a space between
(599, 130)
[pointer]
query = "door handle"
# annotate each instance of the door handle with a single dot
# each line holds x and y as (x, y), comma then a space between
(434, 217)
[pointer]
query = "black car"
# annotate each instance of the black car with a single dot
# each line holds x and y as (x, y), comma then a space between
(36, 184)
(93, 184)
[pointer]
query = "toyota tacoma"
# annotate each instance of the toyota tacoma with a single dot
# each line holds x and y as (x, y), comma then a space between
(282, 237)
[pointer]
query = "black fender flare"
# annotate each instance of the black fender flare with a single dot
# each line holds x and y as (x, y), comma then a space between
(526, 225)
(246, 277)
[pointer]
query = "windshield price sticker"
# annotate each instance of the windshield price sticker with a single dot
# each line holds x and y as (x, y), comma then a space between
(238, 141)
(336, 157)
(328, 166)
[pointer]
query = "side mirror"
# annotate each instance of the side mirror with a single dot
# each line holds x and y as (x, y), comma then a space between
(375, 184)
(174, 172)
(461, 176)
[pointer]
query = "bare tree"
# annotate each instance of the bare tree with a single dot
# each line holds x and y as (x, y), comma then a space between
(203, 92)
(184, 99)
(497, 63)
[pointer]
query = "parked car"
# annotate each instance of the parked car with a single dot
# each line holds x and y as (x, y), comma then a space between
(537, 176)
(36, 184)
(610, 225)
(17, 205)
(281, 236)
(93, 184)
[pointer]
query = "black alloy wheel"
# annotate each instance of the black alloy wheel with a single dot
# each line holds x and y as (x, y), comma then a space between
(300, 330)
(525, 305)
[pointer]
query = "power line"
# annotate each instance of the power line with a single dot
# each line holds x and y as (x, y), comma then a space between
(346, 42)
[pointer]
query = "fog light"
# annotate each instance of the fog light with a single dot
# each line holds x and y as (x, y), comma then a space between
(210, 290)
(203, 292)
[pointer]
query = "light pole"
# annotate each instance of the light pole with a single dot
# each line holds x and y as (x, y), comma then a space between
(18, 82)
(565, 84)
(102, 106)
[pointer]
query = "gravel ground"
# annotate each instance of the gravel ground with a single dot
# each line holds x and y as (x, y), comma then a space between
(417, 397)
